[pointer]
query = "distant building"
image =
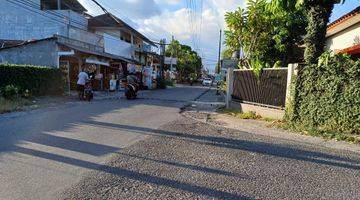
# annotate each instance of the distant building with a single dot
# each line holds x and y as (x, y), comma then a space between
(43, 32)
(343, 35)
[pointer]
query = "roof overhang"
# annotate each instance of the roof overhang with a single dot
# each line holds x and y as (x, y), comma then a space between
(344, 22)
(111, 21)
(351, 50)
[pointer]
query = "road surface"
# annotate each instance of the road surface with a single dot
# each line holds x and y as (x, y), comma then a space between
(145, 149)
(44, 151)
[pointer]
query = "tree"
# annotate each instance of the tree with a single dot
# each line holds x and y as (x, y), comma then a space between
(188, 61)
(227, 53)
(266, 36)
(318, 13)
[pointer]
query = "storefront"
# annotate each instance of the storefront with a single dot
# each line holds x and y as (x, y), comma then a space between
(101, 67)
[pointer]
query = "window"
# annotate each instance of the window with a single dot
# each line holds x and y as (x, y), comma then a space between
(73, 5)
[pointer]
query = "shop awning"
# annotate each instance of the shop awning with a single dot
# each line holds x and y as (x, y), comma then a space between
(103, 54)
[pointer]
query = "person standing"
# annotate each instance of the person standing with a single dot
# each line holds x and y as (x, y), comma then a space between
(82, 78)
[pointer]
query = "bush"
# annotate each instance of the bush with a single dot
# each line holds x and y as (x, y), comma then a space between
(170, 83)
(327, 95)
(37, 80)
(10, 92)
(161, 83)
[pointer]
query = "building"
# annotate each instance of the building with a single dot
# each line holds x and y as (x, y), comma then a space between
(343, 35)
(61, 34)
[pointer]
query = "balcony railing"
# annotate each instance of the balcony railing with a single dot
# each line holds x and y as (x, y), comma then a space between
(118, 47)
(80, 44)
(86, 36)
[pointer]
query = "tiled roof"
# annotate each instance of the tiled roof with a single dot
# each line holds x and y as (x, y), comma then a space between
(351, 14)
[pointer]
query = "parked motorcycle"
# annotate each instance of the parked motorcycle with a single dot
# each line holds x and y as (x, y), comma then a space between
(131, 85)
(88, 91)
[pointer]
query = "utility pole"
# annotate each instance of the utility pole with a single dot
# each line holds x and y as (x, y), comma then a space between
(162, 53)
(172, 54)
(219, 64)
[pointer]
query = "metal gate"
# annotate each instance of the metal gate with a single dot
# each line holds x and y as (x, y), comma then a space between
(267, 89)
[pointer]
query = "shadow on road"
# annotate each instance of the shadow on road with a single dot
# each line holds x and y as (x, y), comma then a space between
(38, 134)
(246, 145)
(133, 175)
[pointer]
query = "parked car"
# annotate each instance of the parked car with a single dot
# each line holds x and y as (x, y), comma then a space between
(207, 82)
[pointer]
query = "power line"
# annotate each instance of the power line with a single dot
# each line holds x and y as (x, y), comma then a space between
(126, 17)
(50, 14)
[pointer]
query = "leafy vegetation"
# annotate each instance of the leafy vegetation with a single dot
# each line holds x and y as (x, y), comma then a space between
(161, 83)
(313, 131)
(188, 61)
(266, 35)
(326, 96)
(10, 92)
(241, 115)
(31, 79)
(317, 13)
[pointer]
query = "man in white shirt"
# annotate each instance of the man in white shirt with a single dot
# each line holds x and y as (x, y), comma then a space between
(82, 78)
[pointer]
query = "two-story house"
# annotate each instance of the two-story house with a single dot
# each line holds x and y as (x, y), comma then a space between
(60, 34)
(343, 34)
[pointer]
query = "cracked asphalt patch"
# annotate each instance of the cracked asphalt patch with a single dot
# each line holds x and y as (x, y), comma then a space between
(192, 160)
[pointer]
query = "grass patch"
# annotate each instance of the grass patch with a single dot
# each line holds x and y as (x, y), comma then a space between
(317, 132)
(244, 115)
(297, 128)
(7, 105)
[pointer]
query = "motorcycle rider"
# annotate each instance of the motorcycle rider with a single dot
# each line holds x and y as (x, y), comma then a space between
(82, 78)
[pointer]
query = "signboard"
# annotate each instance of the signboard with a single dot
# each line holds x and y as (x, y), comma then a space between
(94, 60)
(170, 60)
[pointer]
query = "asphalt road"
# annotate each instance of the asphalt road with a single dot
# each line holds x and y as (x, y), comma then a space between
(144, 149)
(186, 159)
(43, 152)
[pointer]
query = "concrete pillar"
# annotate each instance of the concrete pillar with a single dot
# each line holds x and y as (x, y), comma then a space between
(229, 86)
(291, 72)
(59, 4)
(132, 39)
(80, 63)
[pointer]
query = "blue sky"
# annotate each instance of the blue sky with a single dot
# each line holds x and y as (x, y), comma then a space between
(193, 22)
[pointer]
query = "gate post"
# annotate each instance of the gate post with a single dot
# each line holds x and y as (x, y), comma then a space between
(291, 72)
(229, 86)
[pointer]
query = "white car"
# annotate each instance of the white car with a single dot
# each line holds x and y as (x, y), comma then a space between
(207, 82)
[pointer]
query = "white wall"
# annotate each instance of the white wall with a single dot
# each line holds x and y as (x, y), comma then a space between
(85, 36)
(344, 39)
(19, 23)
(118, 47)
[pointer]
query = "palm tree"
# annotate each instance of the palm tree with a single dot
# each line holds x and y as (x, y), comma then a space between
(318, 14)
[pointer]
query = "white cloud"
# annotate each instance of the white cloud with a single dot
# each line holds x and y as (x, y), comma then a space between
(177, 23)
(155, 19)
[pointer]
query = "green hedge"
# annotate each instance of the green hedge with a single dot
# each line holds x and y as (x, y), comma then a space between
(38, 80)
(327, 95)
